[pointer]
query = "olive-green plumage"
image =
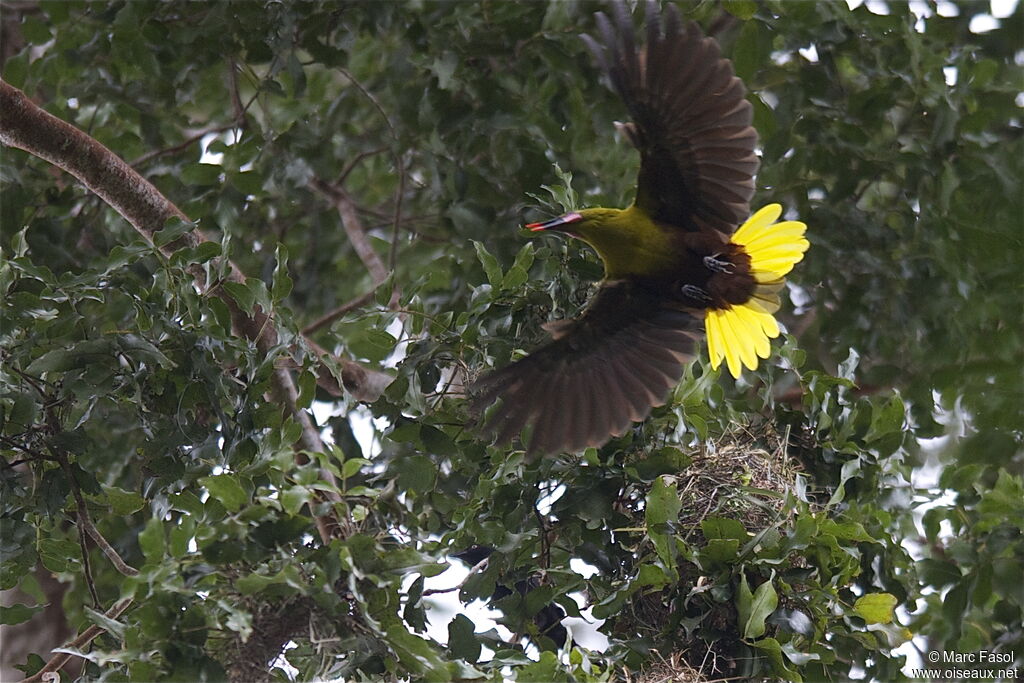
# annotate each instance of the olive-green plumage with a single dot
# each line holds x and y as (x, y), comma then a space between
(667, 258)
(627, 240)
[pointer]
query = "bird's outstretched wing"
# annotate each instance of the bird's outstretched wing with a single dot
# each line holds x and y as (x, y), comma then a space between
(691, 121)
(600, 372)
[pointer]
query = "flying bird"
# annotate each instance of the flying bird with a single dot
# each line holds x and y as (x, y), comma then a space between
(676, 266)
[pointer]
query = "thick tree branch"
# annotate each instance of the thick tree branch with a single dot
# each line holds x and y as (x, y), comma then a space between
(27, 127)
(58, 661)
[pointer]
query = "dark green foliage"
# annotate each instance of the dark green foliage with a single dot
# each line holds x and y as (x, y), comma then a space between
(909, 327)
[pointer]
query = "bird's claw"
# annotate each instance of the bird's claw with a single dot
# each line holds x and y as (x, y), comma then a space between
(717, 265)
(696, 293)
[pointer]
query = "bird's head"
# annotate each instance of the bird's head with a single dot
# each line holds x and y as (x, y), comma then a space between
(584, 224)
(626, 239)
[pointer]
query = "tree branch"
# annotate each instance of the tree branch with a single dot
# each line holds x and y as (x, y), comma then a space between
(474, 570)
(399, 168)
(360, 244)
(353, 229)
(27, 127)
(84, 638)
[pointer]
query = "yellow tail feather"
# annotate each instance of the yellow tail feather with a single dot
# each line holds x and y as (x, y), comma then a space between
(739, 334)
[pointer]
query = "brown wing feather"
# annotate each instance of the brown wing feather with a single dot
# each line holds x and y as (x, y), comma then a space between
(603, 371)
(691, 121)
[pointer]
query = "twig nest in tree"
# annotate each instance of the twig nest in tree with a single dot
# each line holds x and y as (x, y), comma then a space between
(743, 475)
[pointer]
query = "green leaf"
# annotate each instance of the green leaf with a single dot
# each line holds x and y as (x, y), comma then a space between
(187, 502)
(417, 473)
(462, 640)
(886, 419)
(352, 466)
(490, 264)
(226, 489)
(201, 174)
(414, 652)
(515, 278)
(525, 257)
(773, 651)
(650, 575)
(1005, 501)
(663, 503)
(847, 531)
(294, 497)
(741, 9)
(243, 296)
(723, 527)
(180, 536)
(151, 540)
(287, 581)
(18, 613)
(281, 285)
(744, 600)
(123, 503)
(757, 608)
(444, 68)
(436, 441)
(373, 344)
(660, 512)
(140, 349)
(719, 551)
(58, 554)
(173, 228)
(112, 626)
(89, 352)
(547, 668)
(23, 412)
(876, 608)
(247, 182)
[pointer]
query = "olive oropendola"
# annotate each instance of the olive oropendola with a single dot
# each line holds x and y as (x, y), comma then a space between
(675, 264)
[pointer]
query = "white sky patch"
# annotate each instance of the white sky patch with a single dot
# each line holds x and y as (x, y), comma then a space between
(982, 23)
(582, 568)
(207, 156)
(547, 499)
(1003, 9)
(810, 53)
(951, 75)
(947, 9)
(584, 631)
(925, 479)
(878, 7)
(395, 329)
(442, 607)
(800, 297)
(363, 428)
(281, 663)
(922, 10)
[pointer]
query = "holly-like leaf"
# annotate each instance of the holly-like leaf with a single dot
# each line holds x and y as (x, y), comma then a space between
(876, 608)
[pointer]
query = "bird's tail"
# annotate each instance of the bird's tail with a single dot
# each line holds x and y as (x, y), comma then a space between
(739, 334)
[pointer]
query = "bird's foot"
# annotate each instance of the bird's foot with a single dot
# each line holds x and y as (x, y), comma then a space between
(714, 264)
(696, 293)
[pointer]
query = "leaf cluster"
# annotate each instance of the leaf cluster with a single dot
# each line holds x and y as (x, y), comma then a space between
(775, 527)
